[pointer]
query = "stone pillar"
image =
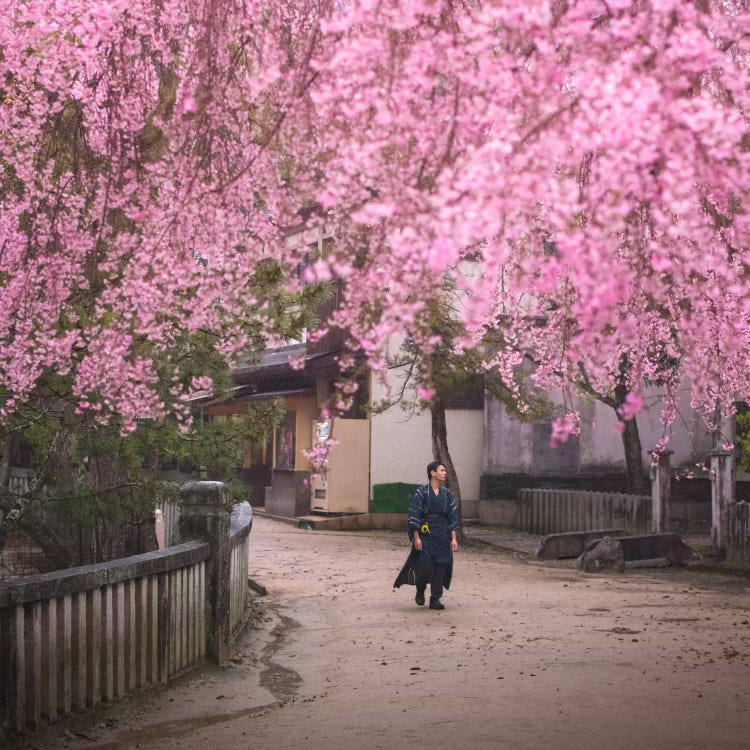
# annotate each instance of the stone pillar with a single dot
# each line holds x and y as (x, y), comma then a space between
(722, 495)
(205, 516)
(661, 491)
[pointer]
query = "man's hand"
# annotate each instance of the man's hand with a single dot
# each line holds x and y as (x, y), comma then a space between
(454, 542)
(417, 542)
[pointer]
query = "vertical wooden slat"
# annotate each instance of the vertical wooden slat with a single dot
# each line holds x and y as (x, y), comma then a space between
(7, 667)
(172, 622)
(153, 630)
(33, 648)
(108, 643)
(65, 654)
(192, 641)
(528, 510)
(543, 511)
(572, 512)
(130, 635)
(737, 532)
(118, 601)
(79, 650)
(94, 647)
(734, 533)
(238, 583)
(245, 573)
(740, 532)
(142, 631)
(163, 618)
(184, 610)
(18, 645)
(630, 513)
(235, 584)
(180, 618)
(49, 660)
(532, 506)
(622, 512)
(199, 605)
(202, 639)
(232, 589)
(186, 631)
(232, 583)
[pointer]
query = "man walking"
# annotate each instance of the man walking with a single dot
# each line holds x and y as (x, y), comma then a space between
(433, 521)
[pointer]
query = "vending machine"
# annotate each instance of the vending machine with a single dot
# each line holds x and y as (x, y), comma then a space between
(342, 486)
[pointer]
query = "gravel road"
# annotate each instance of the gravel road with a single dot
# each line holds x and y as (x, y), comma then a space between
(524, 657)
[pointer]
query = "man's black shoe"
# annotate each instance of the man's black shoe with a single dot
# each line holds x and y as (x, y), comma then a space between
(419, 598)
(436, 603)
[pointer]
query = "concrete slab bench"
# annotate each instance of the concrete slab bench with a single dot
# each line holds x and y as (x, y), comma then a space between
(571, 543)
(651, 546)
(615, 552)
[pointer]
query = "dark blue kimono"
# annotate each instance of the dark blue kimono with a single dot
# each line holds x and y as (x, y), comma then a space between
(440, 513)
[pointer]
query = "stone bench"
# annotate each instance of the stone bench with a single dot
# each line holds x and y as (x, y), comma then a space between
(571, 543)
(651, 546)
(614, 552)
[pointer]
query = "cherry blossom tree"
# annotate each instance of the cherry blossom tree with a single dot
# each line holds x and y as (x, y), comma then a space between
(592, 157)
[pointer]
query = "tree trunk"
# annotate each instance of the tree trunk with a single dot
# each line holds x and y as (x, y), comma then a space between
(441, 453)
(638, 482)
(5, 461)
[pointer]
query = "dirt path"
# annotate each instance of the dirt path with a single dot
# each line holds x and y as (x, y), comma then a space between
(524, 657)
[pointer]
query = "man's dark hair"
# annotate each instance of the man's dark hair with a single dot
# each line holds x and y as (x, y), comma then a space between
(432, 466)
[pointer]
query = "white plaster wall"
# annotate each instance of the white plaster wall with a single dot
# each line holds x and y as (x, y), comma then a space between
(601, 444)
(509, 442)
(401, 448)
(401, 442)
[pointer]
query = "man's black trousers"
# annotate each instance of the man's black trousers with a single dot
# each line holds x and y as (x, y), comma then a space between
(435, 577)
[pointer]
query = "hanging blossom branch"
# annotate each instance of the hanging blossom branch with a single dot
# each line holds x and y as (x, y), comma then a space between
(597, 156)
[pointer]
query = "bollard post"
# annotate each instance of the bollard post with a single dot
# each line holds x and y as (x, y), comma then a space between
(205, 516)
(661, 490)
(722, 496)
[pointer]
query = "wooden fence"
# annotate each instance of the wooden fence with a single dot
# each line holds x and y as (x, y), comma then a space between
(19, 480)
(554, 511)
(73, 639)
(738, 532)
(241, 524)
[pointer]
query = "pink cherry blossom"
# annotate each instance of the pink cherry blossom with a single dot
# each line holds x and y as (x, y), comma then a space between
(580, 170)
